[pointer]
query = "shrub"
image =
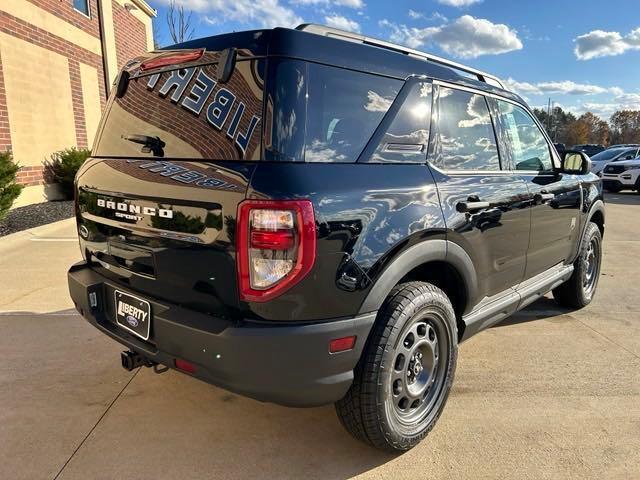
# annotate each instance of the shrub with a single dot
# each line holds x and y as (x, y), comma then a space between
(63, 166)
(9, 189)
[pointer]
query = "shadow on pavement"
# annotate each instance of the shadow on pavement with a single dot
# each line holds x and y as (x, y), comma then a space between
(626, 197)
(544, 308)
(170, 422)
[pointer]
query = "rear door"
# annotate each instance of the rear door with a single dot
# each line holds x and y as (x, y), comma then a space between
(173, 161)
(486, 207)
(555, 212)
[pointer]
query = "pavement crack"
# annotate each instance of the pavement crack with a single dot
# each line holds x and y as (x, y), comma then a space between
(95, 425)
(607, 338)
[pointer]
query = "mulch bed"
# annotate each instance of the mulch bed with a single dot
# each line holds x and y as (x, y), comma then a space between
(30, 216)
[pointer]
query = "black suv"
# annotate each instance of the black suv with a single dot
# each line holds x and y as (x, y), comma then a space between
(305, 218)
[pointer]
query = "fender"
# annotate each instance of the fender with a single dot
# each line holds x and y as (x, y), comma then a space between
(427, 251)
(598, 206)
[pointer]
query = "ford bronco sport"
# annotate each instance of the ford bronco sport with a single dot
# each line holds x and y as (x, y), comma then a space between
(312, 216)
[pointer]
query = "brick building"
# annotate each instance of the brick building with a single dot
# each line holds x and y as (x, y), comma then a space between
(58, 59)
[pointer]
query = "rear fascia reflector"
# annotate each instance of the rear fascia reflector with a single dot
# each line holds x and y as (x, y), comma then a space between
(342, 344)
(185, 366)
(172, 58)
(278, 240)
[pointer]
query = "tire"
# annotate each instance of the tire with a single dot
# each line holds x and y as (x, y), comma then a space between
(578, 291)
(406, 371)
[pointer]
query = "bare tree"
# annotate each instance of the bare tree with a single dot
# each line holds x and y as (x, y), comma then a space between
(179, 23)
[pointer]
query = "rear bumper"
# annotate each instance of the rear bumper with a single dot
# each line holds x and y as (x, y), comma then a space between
(288, 364)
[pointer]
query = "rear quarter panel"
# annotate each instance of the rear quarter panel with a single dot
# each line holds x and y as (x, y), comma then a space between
(365, 215)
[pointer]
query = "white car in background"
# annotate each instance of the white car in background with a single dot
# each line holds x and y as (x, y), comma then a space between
(622, 175)
(613, 154)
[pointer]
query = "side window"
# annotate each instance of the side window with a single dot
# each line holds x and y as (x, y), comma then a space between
(526, 144)
(407, 137)
(317, 113)
(628, 155)
(466, 136)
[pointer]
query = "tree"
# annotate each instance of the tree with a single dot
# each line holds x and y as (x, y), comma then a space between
(625, 126)
(179, 23)
(560, 123)
(577, 133)
(598, 129)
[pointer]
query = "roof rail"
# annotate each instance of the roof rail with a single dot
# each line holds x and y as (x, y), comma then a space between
(359, 38)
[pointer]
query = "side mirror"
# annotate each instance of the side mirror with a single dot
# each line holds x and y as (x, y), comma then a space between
(575, 163)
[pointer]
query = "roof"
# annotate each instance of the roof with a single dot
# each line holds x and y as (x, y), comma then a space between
(365, 57)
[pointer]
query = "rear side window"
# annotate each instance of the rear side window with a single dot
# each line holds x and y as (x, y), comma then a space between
(186, 113)
(317, 113)
(466, 137)
(526, 144)
(407, 137)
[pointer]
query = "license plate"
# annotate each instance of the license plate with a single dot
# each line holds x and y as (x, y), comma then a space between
(133, 314)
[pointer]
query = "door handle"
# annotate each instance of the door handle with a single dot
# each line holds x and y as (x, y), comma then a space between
(472, 206)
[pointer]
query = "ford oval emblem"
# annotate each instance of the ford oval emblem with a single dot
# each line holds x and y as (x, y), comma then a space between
(133, 321)
(83, 231)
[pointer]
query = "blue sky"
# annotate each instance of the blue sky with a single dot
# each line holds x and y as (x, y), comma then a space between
(584, 54)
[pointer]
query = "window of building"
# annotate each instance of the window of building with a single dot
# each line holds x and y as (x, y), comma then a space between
(82, 6)
(466, 136)
(525, 144)
(406, 140)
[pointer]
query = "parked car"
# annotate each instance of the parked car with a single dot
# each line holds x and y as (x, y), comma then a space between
(624, 145)
(313, 216)
(623, 175)
(560, 148)
(600, 160)
(590, 149)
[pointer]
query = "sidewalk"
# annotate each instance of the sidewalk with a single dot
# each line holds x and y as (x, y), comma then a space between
(33, 268)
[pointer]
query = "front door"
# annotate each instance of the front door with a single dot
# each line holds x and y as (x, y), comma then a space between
(486, 207)
(556, 197)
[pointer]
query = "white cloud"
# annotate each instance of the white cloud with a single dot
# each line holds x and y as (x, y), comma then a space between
(466, 37)
(599, 43)
(458, 3)
(343, 23)
(265, 13)
(434, 16)
(565, 87)
(357, 4)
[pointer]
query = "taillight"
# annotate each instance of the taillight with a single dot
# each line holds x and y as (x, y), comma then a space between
(172, 58)
(276, 246)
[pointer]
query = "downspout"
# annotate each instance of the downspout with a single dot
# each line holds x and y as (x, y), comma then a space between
(103, 45)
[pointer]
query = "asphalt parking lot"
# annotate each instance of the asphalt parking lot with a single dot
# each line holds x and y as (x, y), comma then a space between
(547, 394)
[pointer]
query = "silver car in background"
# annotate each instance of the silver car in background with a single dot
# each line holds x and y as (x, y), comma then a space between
(612, 154)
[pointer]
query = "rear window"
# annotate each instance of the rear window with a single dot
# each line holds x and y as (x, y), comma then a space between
(185, 113)
(317, 113)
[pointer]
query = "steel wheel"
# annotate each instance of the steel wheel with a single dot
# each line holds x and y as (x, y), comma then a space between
(418, 373)
(591, 262)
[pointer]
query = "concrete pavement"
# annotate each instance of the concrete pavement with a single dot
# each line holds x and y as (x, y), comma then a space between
(546, 394)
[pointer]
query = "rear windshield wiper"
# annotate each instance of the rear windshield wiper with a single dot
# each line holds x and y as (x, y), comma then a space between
(149, 144)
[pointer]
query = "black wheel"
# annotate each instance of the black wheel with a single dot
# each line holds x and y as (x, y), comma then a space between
(578, 291)
(405, 374)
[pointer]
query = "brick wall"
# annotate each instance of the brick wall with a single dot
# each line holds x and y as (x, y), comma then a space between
(64, 10)
(33, 175)
(131, 37)
(5, 134)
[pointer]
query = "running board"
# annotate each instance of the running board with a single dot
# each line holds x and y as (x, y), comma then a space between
(513, 300)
